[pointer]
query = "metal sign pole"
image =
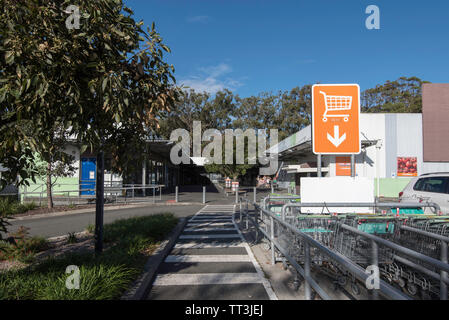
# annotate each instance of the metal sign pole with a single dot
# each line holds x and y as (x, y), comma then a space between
(318, 165)
(99, 203)
(353, 165)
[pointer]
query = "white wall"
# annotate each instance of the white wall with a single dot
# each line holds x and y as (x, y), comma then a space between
(337, 189)
(372, 127)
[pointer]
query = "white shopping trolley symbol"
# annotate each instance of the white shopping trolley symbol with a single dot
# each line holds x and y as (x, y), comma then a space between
(336, 103)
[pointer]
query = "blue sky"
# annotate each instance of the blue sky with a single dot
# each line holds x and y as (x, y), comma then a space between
(251, 46)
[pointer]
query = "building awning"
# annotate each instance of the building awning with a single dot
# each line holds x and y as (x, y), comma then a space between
(299, 145)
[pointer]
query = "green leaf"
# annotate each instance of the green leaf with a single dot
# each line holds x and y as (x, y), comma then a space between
(9, 57)
(103, 85)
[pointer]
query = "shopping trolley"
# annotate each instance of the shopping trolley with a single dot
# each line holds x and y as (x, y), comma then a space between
(336, 103)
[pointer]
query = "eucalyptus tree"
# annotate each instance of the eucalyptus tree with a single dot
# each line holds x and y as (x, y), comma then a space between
(105, 82)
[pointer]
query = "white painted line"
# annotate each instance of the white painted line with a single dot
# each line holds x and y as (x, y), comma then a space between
(209, 258)
(173, 279)
(210, 236)
(196, 245)
(209, 224)
(210, 217)
(210, 220)
(209, 229)
(259, 271)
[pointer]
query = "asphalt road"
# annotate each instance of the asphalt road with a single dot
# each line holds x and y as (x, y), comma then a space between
(61, 225)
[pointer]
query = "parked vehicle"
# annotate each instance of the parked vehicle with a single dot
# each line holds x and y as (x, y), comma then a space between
(430, 187)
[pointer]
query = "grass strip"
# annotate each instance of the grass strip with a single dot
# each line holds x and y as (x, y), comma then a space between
(128, 242)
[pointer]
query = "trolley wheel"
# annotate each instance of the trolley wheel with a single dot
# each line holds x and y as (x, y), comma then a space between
(425, 295)
(401, 282)
(296, 285)
(324, 119)
(355, 288)
(342, 280)
(412, 289)
(345, 119)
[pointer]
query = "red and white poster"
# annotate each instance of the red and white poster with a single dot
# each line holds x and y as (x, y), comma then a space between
(407, 167)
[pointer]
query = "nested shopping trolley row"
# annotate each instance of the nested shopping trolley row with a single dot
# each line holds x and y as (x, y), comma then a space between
(409, 249)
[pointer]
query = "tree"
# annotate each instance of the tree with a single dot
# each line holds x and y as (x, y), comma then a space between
(213, 112)
(105, 83)
(401, 95)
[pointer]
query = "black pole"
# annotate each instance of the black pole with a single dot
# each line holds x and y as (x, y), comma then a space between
(99, 203)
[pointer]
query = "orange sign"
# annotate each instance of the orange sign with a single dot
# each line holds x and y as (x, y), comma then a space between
(343, 166)
(335, 118)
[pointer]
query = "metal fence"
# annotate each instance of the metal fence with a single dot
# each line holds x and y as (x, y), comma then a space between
(123, 193)
(344, 245)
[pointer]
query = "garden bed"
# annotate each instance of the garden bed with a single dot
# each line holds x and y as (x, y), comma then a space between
(42, 275)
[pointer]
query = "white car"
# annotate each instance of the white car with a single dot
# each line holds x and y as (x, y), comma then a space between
(430, 187)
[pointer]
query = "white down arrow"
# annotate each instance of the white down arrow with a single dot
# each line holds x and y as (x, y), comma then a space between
(336, 139)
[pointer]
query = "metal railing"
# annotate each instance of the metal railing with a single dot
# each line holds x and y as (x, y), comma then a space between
(119, 194)
(272, 221)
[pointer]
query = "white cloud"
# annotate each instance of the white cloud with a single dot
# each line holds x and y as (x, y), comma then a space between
(212, 79)
(199, 19)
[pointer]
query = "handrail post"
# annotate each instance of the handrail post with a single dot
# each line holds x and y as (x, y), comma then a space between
(375, 263)
(237, 194)
(271, 240)
(443, 274)
(247, 217)
(240, 211)
(254, 194)
(307, 269)
(204, 194)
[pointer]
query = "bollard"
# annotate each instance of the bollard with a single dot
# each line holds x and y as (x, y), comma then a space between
(254, 193)
(204, 194)
(272, 188)
(176, 194)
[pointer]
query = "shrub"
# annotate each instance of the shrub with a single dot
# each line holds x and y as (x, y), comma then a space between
(90, 228)
(24, 248)
(10, 207)
(71, 238)
(105, 276)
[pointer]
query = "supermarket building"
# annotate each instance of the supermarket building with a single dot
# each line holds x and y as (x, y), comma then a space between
(395, 147)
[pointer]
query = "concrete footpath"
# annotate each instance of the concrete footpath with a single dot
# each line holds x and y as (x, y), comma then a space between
(211, 261)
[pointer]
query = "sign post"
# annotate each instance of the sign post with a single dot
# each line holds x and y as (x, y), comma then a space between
(336, 120)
